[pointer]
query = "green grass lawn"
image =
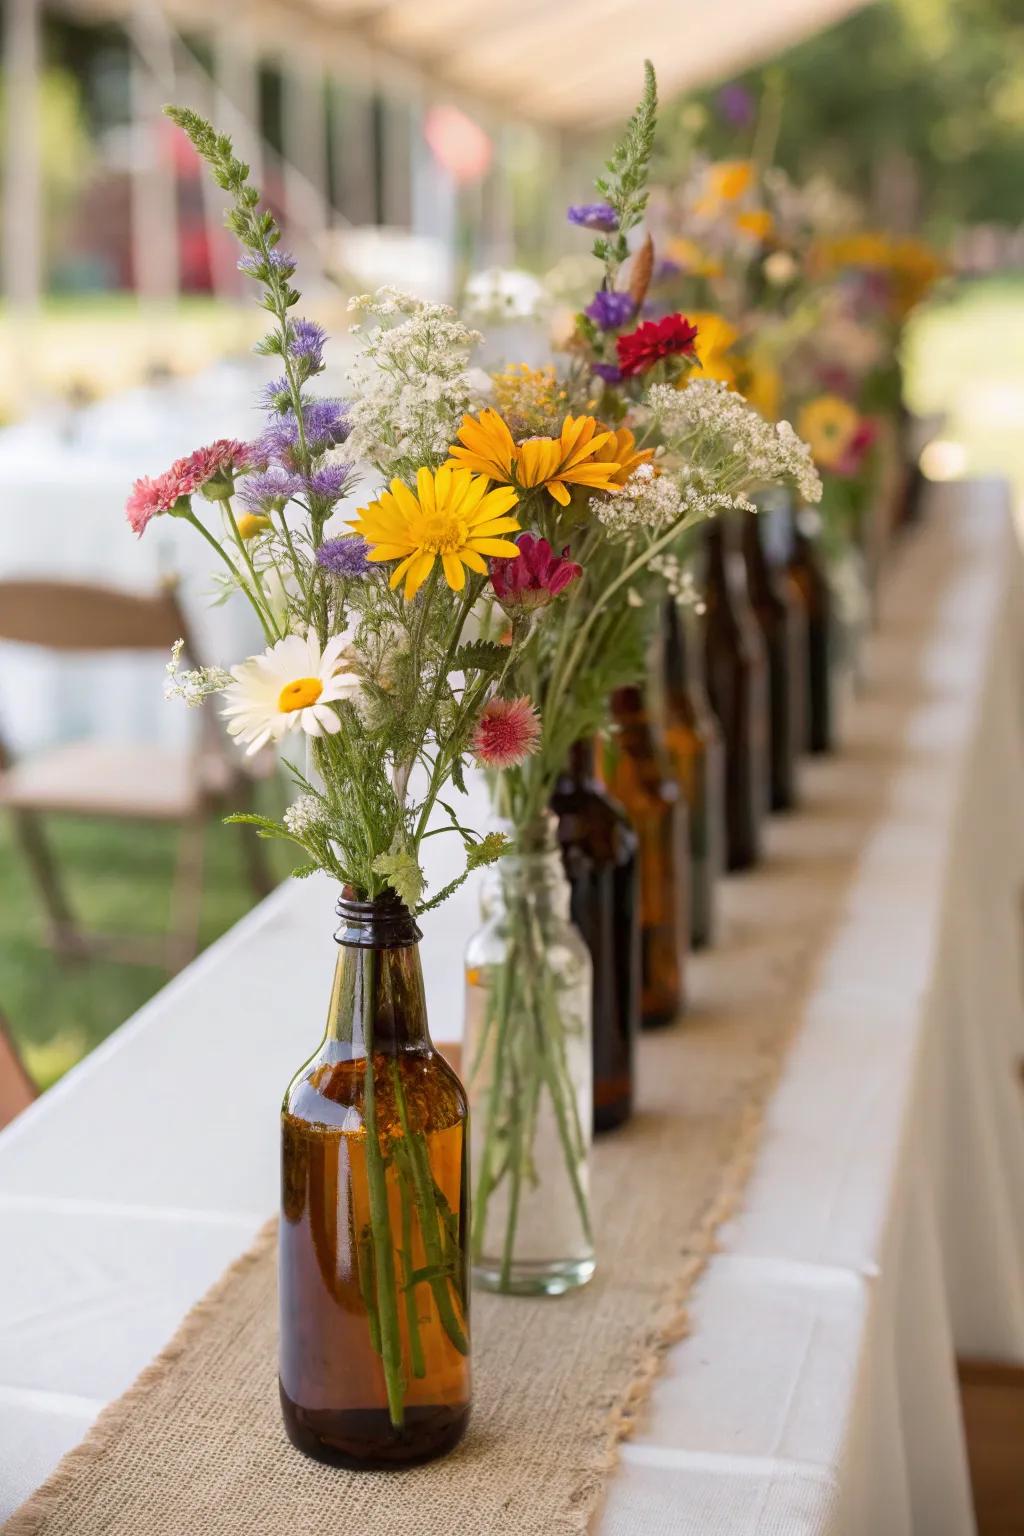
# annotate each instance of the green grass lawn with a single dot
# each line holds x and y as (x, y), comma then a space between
(120, 877)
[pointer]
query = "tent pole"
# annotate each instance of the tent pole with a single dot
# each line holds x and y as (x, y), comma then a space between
(23, 210)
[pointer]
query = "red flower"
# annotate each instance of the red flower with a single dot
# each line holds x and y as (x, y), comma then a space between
(852, 460)
(507, 731)
(671, 337)
(535, 577)
(151, 497)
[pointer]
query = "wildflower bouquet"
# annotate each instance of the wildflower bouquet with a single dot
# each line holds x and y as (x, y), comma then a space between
(372, 664)
(611, 495)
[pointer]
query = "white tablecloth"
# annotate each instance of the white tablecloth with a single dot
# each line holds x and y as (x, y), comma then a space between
(884, 1223)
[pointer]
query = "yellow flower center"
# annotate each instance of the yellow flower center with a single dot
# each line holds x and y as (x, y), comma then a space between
(252, 523)
(442, 533)
(299, 694)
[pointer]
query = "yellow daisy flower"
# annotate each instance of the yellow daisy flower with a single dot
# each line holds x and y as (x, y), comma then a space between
(828, 424)
(452, 514)
(486, 445)
(715, 335)
(757, 223)
(623, 450)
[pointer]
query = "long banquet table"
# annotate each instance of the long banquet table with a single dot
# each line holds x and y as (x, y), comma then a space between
(882, 1230)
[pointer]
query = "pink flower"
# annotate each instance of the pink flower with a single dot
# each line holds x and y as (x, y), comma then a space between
(850, 464)
(535, 577)
(151, 497)
(507, 731)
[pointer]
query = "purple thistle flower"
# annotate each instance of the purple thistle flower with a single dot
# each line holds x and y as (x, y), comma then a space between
(609, 310)
(272, 488)
(607, 371)
(329, 481)
(306, 341)
(325, 423)
(593, 216)
(275, 397)
(344, 556)
(253, 264)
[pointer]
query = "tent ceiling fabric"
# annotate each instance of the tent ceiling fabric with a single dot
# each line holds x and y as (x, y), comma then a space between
(574, 64)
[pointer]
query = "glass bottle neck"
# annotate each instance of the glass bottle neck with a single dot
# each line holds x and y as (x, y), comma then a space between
(377, 999)
(580, 767)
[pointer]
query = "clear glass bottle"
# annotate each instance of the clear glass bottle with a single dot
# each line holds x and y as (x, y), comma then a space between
(374, 1362)
(599, 853)
(693, 741)
(638, 775)
(784, 630)
(738, 688)
(529, 1071)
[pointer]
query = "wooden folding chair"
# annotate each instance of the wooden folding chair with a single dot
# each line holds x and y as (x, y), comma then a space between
(17, 1090)
(123, 782)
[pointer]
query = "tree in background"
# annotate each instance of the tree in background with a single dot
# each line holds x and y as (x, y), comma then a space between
(914, 105)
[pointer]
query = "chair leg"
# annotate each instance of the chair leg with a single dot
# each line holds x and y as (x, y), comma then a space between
(187, 894)
(254, 853)
(65, 937)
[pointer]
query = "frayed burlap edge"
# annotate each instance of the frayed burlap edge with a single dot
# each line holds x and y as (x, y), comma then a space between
(27, 1520)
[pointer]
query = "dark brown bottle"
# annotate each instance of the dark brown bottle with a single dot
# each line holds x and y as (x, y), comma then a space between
(599, 852)
(738, 689)
(637, 774)
(784, 630)
(374, 1363)
(812, 588)
(693, 740)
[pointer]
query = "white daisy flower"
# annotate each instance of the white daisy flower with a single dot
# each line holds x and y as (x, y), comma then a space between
(290, 687)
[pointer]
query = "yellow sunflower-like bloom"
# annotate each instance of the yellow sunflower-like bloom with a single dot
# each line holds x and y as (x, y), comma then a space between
(452, 514)
(757, 223)
(623, 450)
(486, 446)
(715, 335)
(828, 424)
(686, 253)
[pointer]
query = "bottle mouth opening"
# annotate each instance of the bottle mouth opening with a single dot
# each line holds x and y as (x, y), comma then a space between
(384, 922)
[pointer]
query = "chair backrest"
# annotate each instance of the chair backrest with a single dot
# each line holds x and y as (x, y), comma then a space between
(17, 1090)
(74, 616)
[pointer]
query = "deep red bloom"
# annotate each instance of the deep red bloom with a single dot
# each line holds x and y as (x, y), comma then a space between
(534, 577)
(150, 497)
(673, 336)
(850, 464)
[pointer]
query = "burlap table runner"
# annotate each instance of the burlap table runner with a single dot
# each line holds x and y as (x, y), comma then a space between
(196, 1445)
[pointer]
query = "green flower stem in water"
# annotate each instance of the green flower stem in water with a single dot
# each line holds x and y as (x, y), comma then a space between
(412, 1322)
(380, 1226)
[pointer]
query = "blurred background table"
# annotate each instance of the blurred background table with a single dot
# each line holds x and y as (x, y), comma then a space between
(883, 1229)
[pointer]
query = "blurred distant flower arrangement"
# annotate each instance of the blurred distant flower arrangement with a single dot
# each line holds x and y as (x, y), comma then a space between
(481, 605)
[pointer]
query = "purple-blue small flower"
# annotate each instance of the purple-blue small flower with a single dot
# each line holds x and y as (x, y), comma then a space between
(276, 397)
(325, 425)
(594, 216)
(270, 489)
(607, 371)
(281, 261)
(736, 105)
(306, 341)
(609, 310)
(329, 481)
(344, 557)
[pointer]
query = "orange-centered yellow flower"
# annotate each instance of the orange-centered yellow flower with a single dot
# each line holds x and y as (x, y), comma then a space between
(452, 514)
(486, 445)
(828, 424)
(623, 450)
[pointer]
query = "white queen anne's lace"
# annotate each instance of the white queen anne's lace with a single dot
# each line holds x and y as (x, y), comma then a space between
(302, 815)
(411, 386)
(716, 430)
(655, 502)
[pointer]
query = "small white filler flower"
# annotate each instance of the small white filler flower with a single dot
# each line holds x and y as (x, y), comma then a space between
(290, 687)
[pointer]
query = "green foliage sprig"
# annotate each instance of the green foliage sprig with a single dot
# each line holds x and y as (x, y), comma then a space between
(625, 185)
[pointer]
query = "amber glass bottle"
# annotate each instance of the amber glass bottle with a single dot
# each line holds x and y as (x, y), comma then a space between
(811, 585)
(599, 852)
(784, 630)
(737, 687)
(637, 774)
(693, 741)
(374, 1362)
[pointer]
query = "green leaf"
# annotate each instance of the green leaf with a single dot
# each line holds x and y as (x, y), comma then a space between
(480, 656)
(488, 850)
(402, 872)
